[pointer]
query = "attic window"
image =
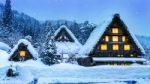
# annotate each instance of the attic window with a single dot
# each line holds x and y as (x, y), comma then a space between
(115, 30)
(22, 53)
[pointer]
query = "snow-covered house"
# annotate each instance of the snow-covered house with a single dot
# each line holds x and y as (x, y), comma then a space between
(23, 51)
(66, 42)
(112, 42)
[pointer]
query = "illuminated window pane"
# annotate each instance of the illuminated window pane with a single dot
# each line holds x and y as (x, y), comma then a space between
(115, 30)
(103, 46)
(22, 53)
(115, 38)
(106, 38)
(115, 47)
(123, 38)
(127, 47)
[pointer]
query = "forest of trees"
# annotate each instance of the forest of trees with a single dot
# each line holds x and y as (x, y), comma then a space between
(15, 25)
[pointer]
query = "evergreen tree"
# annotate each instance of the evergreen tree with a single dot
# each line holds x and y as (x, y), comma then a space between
(49, 56)
(7, 15)
(8, 34)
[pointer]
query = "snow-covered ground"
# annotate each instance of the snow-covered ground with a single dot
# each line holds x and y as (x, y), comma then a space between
(70, 73)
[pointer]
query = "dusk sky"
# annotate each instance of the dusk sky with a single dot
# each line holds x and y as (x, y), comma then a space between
(135, 12)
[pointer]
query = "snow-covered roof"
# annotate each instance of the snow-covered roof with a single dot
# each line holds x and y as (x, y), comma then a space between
(97, 34)
(67, 47)
(117, 59)
(70, 33)
(29, 47)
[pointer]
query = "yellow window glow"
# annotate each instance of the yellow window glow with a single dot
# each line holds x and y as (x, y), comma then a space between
(103, 46)
(115, 30)
(126, 47)
(115, 47)
(106, 38)
(115, 38)
(22, 53)
(123, 38)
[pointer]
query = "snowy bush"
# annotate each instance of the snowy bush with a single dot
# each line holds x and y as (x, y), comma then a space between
(12, 72)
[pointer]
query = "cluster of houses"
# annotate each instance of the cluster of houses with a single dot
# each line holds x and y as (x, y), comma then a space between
(112, 43)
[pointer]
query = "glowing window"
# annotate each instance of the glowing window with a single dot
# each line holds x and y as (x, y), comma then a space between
(123, 38)
(126, 47)
(115, 30)
(115, 38)
(103, 46)
(106, 38)
(115, 47)
(22, 53)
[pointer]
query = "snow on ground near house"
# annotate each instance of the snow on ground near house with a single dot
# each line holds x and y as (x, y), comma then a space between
(3, 58)
(4, 46)
(70, 73)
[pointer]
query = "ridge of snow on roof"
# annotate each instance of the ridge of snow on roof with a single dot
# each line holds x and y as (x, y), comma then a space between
(29, 47)
(70, 33)
(97, 34)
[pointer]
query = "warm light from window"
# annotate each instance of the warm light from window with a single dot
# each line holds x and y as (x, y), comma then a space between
(22, 53)
(115, 47)
(115, 30)
(131, 55)
(106, 38)
(115, 38)
(123, 38)
(126, 47)
(103, 46)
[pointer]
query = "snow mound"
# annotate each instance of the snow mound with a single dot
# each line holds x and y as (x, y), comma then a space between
(4, 46)
(66, 66)
(3, 58)
(24, 76)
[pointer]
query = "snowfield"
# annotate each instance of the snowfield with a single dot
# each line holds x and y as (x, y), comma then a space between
(71, 73)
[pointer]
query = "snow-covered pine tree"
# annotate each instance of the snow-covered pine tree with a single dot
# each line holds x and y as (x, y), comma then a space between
(49, 56)
(8, 31)
(7, 14)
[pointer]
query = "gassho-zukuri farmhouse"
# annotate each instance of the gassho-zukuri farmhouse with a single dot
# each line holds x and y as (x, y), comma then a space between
(112, 43)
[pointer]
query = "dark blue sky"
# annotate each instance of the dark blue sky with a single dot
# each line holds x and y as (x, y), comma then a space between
(135, 12)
